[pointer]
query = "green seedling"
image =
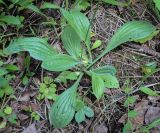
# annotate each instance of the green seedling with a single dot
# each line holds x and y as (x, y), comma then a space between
(47, 90)
(7, 115)
(35, 116)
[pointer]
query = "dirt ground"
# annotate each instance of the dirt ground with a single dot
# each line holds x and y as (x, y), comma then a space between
(110, 114)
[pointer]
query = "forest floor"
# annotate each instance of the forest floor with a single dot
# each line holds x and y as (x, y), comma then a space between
(129, 59)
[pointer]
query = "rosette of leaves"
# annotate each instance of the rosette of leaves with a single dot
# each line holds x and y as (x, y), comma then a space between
(77, 43)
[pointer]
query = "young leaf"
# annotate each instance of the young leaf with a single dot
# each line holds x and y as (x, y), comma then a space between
(37, 47)
(108, 69)
(88, 111)
(60, 62)
(80, 116)
(148, 91)
(80, 23)
(49, 5)
(97, 85)
(96, 44)
(110, 81)
(63, 109)
(10, 20)
(71, 41)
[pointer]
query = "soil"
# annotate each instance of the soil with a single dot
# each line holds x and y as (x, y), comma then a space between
(110, 114)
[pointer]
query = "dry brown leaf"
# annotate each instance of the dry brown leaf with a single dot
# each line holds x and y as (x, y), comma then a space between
(100, 129)
(30, 129)
(152, 114)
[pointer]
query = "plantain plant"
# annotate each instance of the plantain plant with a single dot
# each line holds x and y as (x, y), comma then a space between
(78, 57)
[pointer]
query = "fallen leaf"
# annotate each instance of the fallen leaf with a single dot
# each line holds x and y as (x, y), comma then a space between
(152, 114)
(100, 129)
(30, 129)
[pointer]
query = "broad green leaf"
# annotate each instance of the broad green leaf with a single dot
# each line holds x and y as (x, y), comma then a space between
(96, 44)
(63, 109)
(88, 111)
(115, 2)
(59, 62)
(143, 40)
(49, 5)
(37, 47)
(157, 3)
(80, 23)
(148, 91)
(97, 85)
(10, 20)
(130, 31)
(71, 42)
(110, 81)
(80, 116)
(108, 69)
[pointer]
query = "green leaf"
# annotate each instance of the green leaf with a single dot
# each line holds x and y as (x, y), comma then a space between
(59, 62)
(3, 71)
(96, 44)
(81, 5)
(132, 114)
(28, 5)
(8, 110)
(63, 109)
(155, 123)
(11, 67)
(88, 112)
(110, 81)
(80, 23)
(115, 2)
(157, 3)
(148, 91)
(37, 47)
(130, 31)
(71, 42)
(10, 20)
(97, 85)
(79, 104)
(108, 69)
(49, 5)
(80, 116)
(67, 75)
(130, 100)
(127, 127)
(3, 82)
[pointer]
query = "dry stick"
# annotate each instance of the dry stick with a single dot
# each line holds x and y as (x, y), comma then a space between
(144, 49)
